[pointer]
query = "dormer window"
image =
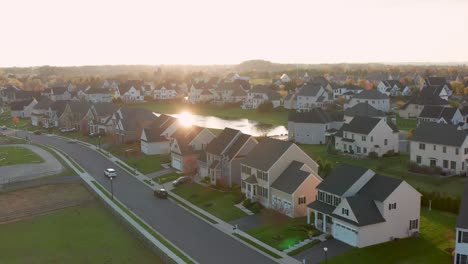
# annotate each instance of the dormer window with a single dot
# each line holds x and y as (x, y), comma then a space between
(392, 206)
(344, 211)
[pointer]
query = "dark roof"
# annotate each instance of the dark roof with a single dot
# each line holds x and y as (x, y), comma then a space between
(97, 91)
(427, 96)
(361, 125)
(443, 134)
(266, 153)
(433, 111)
(237, 145)
(58, 106)
(315, 115)
(431, 90)
(43, 103)
(219, 144)
(184, 136)
(105, 109)
(135, 118)
(251, 179)
(153, 134)
(392, 83)
(436, 81)
(365, 211)
(309, 89)
(79, 107)
(462, 220)
(379, 187)
(371, 94)
(341, 178)
(321, 207)
(291, 178)
(363, 109)
(19, 106)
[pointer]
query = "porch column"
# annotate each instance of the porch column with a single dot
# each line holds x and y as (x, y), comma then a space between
(315, 218)
(308, 215)
(324, 222)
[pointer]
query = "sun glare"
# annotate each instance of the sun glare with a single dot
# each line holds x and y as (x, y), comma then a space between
(186, 119)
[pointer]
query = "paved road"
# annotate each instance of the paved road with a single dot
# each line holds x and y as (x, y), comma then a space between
(198, 239)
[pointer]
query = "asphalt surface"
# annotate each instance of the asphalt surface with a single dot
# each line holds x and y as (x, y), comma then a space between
(195, 237)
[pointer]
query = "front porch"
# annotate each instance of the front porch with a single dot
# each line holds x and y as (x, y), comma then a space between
(322, 222)
(249, 188)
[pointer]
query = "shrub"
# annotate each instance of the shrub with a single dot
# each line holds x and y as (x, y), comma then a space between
(331, 150)
(391, 153)
(373, 155)
(256, 208)
(414, 167)
(247, 203)
(265, 107)
(440, 201)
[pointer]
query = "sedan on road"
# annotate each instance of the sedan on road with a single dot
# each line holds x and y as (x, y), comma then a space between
(110, 173)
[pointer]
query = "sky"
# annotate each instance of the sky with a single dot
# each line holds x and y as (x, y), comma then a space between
(96, 32)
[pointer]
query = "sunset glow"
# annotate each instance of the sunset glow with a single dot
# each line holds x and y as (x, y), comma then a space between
(185, 119)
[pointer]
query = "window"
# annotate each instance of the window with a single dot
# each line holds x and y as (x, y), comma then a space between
(453, 165)
(352, 136)
(301, 200)
(329, 198)
(344, 211)
(413, 224)
(462, 259)
(350, 147)
(434, 147)
(444, 149)
(445, 164)
(243, 184)
(364, 150)
(392, 206)
(422, 146)
(248, 170)
(418, 159)
(385, 142)
(466, 150)
(262, 175)
(336, 201)
(456, 151)
(371, 139)
(358, 149)
(462, 237)
(363, 138)
(433, 163)
(345, 134)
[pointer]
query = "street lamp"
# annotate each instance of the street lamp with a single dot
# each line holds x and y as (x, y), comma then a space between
(325, 249)
(112, 188)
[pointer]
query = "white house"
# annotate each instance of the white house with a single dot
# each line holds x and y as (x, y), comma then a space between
(285, 78)
(361, 208)
(313, 127)
(166, 92)
(131, 93)
(441, 114)
(363, 109)
(440, 145)
(346, 91)
(373, 97)
(96, 95)
(58, 93)
(311, 95)
(259, 95)
(392, 88)
(364, 135)
(199, 93)
(22, 108)
(156, 138)
(461, 231)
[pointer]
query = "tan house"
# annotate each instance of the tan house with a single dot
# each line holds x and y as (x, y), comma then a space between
(279, 175)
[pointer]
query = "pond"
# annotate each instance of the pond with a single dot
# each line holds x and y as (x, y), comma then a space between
(246, 126)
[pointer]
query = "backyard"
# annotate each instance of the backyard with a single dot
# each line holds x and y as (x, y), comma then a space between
(405, 124)
(11, 155)
(396, 166)
(217, 203)
(437, 235)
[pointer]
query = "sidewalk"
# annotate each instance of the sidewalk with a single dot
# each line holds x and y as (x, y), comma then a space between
(220, 225)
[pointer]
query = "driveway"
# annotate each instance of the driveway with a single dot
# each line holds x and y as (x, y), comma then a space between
(316, 253)
(24, 172)
(195, 237)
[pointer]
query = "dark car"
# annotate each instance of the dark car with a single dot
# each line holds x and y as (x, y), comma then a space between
(181, 180)
(37, 132)
(160, 193)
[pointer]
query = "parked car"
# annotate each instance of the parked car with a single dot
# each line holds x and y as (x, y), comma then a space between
(73, 140)
(3, 128)
(95, 134)
(181, 180)
(67, 130)
(160, 193)
(110, 173)
(37, 132)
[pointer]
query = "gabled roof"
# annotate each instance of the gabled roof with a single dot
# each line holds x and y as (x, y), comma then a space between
(79, 107)
(435, 133)
(436, 81)
(363, 109)
(43, 103)
(431, 90)
(96, 91)
(462, 220)
(432, 111)
(309, 89)
(379, 187)
(184, 136)
(291, 178)
(361, 125)
(392, 83)
(218, 145)
(19, 106)
(426, 98)
(341, 178)
(266, 153)
(371, 94)
(365, 211)
(315, 115)
(105, 109)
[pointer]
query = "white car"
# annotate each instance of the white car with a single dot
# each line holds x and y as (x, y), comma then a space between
(110, 173)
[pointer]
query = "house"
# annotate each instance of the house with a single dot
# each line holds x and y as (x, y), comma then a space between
(373, 97)
(22, 108)
(363, 109)
(72, 116)
(438, 81)
(290, 101)
(51, 116)
(228, 93)
(346, 91)
(200, 93)
(440, 145)
(429, 96)
(261, 94)
(392, 88)
(279, 175)
(362, 208)
(441, 114)
(311, 95)
(58, 93)
(363, 135)
(97, 95)
(39, 110)
(131, 92)
(99, 117)
(224, 154)
(166, 92)
(128, 122)
(461, 231)
(285, 78)
(156, 139)
(313, 127)
(187, 145)
(435, 90)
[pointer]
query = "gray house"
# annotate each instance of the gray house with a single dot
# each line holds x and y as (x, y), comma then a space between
(440, 114)
(363, 109)
(313, 127)
(461, 240)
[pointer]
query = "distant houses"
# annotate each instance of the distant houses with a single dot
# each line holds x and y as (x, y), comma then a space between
(441, 114)
(312, 95)
(259, 95)
(393, 88)
(373, 97)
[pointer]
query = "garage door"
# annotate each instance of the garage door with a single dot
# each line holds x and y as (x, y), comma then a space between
(345, 234)
(176, 164)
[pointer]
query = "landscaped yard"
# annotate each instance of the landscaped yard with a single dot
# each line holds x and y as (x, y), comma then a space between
(81, 234)
(282, 232)
(396, 166)
(217, 203)
(7, 120)
(405, 124)
(147, 163)
(167, 178)
(10, 155)
(437, 234)
(276, 117)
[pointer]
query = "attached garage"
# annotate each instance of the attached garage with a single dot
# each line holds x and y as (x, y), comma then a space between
(176, 162)
(345, 234)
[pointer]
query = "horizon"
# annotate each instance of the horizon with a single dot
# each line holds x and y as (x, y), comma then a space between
(206, 32)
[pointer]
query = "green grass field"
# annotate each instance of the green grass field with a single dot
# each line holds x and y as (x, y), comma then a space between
(82, 234)
(277, 117)
(167, 178)
(147, 163)
(10, 155)
(396, 166)
(7, 120)
(437, 234)
(217, 203)
(405, 124)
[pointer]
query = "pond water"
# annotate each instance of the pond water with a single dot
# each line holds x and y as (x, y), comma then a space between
(246, 126)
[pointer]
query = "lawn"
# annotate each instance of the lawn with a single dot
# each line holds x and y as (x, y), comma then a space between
(147, 163)
(217, 203)
(282, 232)
(83, 234)
(277, 117)
(437, 234)
(10, 155)
(405, 124)
(7, 120)
(396, 166)
(167, 177)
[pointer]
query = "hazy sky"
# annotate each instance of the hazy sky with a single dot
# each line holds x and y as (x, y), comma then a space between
(91, 32)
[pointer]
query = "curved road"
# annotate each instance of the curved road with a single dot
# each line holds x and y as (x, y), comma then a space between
(198, 239)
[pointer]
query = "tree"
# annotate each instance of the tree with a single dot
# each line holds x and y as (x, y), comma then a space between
(265, 107)
(457, 87)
